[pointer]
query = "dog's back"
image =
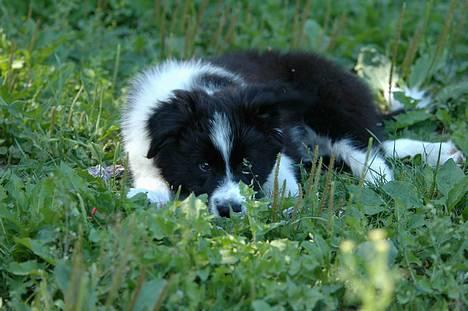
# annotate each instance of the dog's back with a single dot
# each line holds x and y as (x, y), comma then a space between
(339, 104)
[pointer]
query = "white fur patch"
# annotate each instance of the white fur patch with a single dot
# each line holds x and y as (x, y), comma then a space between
(285, 175)
(414, 93)
(402, 148)
(158, 197)
(373, 171)
(221, 137)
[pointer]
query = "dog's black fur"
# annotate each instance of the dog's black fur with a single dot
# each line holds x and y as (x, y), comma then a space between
(338, 104)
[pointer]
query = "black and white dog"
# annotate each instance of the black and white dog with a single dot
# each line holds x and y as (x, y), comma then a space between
(206, 125)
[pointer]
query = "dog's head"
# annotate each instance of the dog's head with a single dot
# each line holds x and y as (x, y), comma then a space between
(209, 143)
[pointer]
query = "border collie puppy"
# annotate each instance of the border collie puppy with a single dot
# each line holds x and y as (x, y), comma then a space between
(206, 125)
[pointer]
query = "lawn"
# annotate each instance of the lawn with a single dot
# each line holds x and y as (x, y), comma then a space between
(69, 240)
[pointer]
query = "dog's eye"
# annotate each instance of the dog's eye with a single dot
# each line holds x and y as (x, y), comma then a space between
(204, 167)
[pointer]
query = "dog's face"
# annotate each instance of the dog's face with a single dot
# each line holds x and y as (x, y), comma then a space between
(209, 143)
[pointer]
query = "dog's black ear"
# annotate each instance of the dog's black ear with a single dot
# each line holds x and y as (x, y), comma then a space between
(171, 116)
(272, 103)
(269, 107)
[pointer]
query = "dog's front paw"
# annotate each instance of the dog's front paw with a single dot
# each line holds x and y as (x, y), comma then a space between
(378, 173)
(160, 197)
(447, 151)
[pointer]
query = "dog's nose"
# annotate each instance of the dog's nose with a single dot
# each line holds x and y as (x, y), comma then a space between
(224, 210)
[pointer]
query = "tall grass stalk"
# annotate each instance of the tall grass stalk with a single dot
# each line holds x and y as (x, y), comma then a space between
(157, 9)
(122, 264)
(73, 295)
(184, 17)
(313, 168)
(338, 26)
(162, 30)
(34, 34)
(366, 162)
(10, 75)
(177, 11)
(328, 182)
(98, 119)
(53, 119)
(163, 294)
(303, 19)
(193, 25)
(459, 33)
(433, 191)
(275, 193)
(331, 207)
(396, 44)
(72, 105)
(136, 292)
(325, 25)
(116, 68)
(442, 38)
(298, 206)
(115, 159)
(415, 40)
(315, 187)
(231, 33)
(189, 38)
(223, 13)
(296, 25)
(201, 11)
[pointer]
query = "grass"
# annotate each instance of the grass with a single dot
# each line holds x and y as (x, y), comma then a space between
(71, 241)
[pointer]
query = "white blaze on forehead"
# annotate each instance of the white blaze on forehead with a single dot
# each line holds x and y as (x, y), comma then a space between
(228, 191)
(221, 136)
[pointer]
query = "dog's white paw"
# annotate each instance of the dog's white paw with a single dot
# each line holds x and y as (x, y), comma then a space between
(378, 171)
(447, 150)
(159, 197)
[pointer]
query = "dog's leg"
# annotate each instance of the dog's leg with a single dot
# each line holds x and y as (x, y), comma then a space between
(402, 148)
(371, 167)
(286, 176)
(147, 179)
